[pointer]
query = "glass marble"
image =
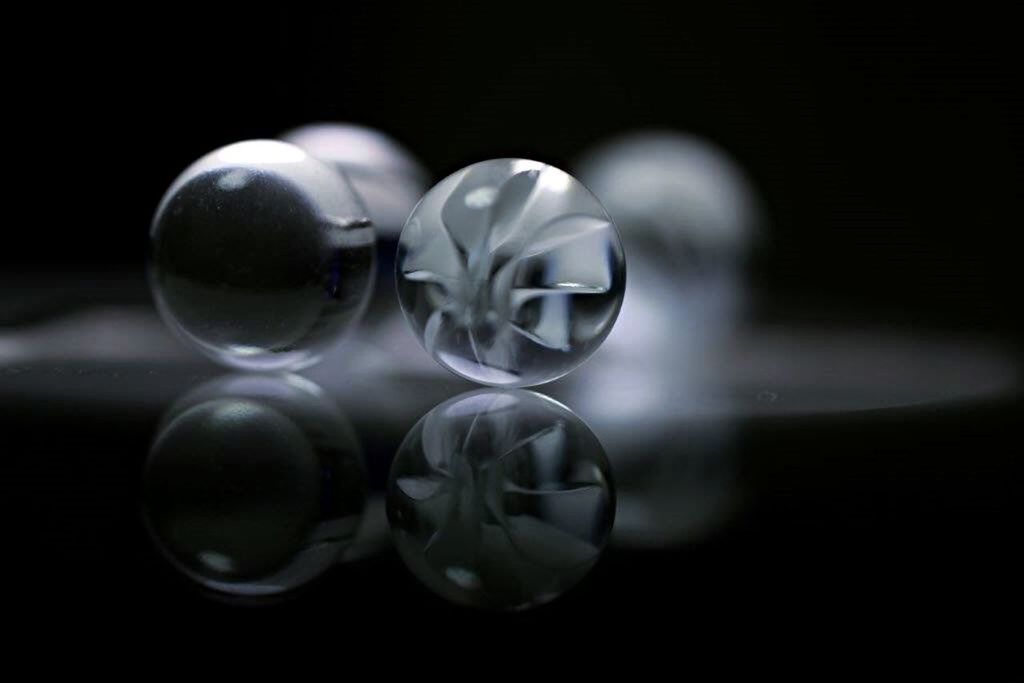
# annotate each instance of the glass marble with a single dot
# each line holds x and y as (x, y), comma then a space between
(389, 181)
(261, 256)
(254, 485)
(678, 199)
(500, 499)
(387, 177)
(510, 272)
(688, 215)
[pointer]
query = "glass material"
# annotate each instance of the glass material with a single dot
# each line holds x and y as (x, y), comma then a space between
(254, 484)
(500, 499)
(688, 216)
(261, 256)
(510, 272)
(386, 175)
(676, 197)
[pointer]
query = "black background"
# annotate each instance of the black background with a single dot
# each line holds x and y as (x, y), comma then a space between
(884, 141)
(884, 138)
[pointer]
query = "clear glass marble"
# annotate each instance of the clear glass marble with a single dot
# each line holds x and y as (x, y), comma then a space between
(688, 216)
(387, 177)
(510, 272)
(500, 499)
(261, 256)
(254, 484)
(678, 200)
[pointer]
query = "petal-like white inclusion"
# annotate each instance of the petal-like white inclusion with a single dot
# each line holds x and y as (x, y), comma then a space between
(513, 205)
(419, 488)
(466, 222)
(429, 276)
(555, 344)
(563, 230)
(574, 255)
(488, 404)
(542, 435)
(521, 295)
(436, 260)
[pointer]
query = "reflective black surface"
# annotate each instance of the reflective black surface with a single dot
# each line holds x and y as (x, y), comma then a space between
(842, 471)
(773, 489)
(254, 484)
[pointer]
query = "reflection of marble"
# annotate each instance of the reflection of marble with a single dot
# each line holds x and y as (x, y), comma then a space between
(500, 499)
(678, 481)
(254, 484)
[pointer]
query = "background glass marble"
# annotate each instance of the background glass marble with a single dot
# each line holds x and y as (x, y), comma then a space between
(389, 181)
(510, 272)
(261, 255)
(678, 195)
(688, 215)
(386, 175)
(254, 484)
(500, 499)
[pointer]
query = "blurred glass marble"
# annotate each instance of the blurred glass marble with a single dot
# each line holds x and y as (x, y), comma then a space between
(388, 178)
(660, 396)
(261, 256)
(688, 216)
(675, 196)
(254, 484)
(390, 181)
(500, 499)
(510, 272)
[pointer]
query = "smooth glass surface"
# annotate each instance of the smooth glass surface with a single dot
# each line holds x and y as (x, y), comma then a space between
(510, 272)
(676, 197)
(261, 256)
(388, 178)
(500, 499)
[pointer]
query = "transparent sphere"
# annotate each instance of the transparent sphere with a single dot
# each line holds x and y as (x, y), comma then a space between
(261, 256)
(387, 177)
(510, 272)
(254, 484)
(677, 198)
(688, 216)
(500, 499)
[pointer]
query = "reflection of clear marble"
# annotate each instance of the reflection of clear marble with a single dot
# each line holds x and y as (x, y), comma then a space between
(500, 499)
(387, 176)
(261, 255)
(254, 484)
(677, 478)
(510, 272)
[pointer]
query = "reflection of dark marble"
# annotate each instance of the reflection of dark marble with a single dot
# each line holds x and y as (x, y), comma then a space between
(500, 499)
(254, 484)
